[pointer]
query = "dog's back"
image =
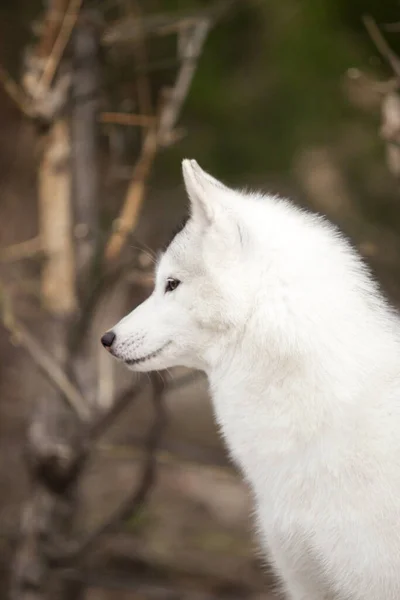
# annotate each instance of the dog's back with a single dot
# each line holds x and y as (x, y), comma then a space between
(310, 407)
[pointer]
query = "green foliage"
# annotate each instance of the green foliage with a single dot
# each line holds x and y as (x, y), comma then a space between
(270, 81)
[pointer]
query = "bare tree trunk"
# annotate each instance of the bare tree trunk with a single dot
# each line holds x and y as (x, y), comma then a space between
(84, 146)
(55, 456)
(57, 285)
(62, 431)
(85, 95)
(56, 449)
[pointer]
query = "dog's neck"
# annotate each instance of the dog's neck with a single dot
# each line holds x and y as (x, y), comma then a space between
(271, 405)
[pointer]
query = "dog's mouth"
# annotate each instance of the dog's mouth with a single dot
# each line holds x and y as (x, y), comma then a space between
(142, 359)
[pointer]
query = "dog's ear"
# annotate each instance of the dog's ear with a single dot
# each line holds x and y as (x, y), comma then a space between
(209, 205)
(201, 188)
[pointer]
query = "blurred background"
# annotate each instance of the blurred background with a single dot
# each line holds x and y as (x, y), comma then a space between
(112, 486)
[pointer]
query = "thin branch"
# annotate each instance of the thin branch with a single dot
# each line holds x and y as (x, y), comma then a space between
(51, 27)
(14, 92)
(127, 29)
(392, 27)
(43, 361)
(126, 397)
(134, 198)
(67, 26)
(120, 404)
(106, 282)
(379, 87)
(170, 453)
(179, 92)
(381, 44)
(164, 135)
(127, 119)
(141, 59)
(178, 26)
(136, 499)
(53, 372)
(27, 249)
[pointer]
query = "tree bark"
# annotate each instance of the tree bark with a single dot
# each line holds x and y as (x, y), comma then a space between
(85, 103)
(57, 285)
(57, 447)
(84, 147)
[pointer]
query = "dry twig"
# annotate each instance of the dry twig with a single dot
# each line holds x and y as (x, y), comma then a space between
(134, 198)
(381, 44)
(390, 108)
(392, 27)
(51, 27)
(177, 95)
(163, 134)
(135, 500)
(124, 400)
(128, 29)
(28, 249)
(43, 360)
(127, 119)
(14, 92)
(143, 82)
(53, 60)
(67, 26)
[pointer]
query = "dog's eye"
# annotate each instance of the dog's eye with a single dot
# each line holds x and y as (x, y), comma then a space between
(171, 284)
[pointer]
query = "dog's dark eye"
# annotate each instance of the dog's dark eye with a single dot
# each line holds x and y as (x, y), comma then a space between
(171, 284)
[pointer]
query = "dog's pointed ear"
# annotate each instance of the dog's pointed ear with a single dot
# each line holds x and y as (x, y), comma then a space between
(210, 202)
(200, 187)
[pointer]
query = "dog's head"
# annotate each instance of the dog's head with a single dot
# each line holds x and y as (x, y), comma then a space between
(202, 286)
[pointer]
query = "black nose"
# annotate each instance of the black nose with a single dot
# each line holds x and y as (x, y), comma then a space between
(107, 339)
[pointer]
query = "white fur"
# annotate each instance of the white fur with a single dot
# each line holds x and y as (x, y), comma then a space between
(302, 353)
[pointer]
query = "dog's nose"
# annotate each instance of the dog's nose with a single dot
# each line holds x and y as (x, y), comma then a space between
(107, 339)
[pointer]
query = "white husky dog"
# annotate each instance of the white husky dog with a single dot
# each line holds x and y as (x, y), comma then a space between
(302, 353)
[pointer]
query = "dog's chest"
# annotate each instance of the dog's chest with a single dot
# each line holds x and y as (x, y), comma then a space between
(291, 470)
(267, 441)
